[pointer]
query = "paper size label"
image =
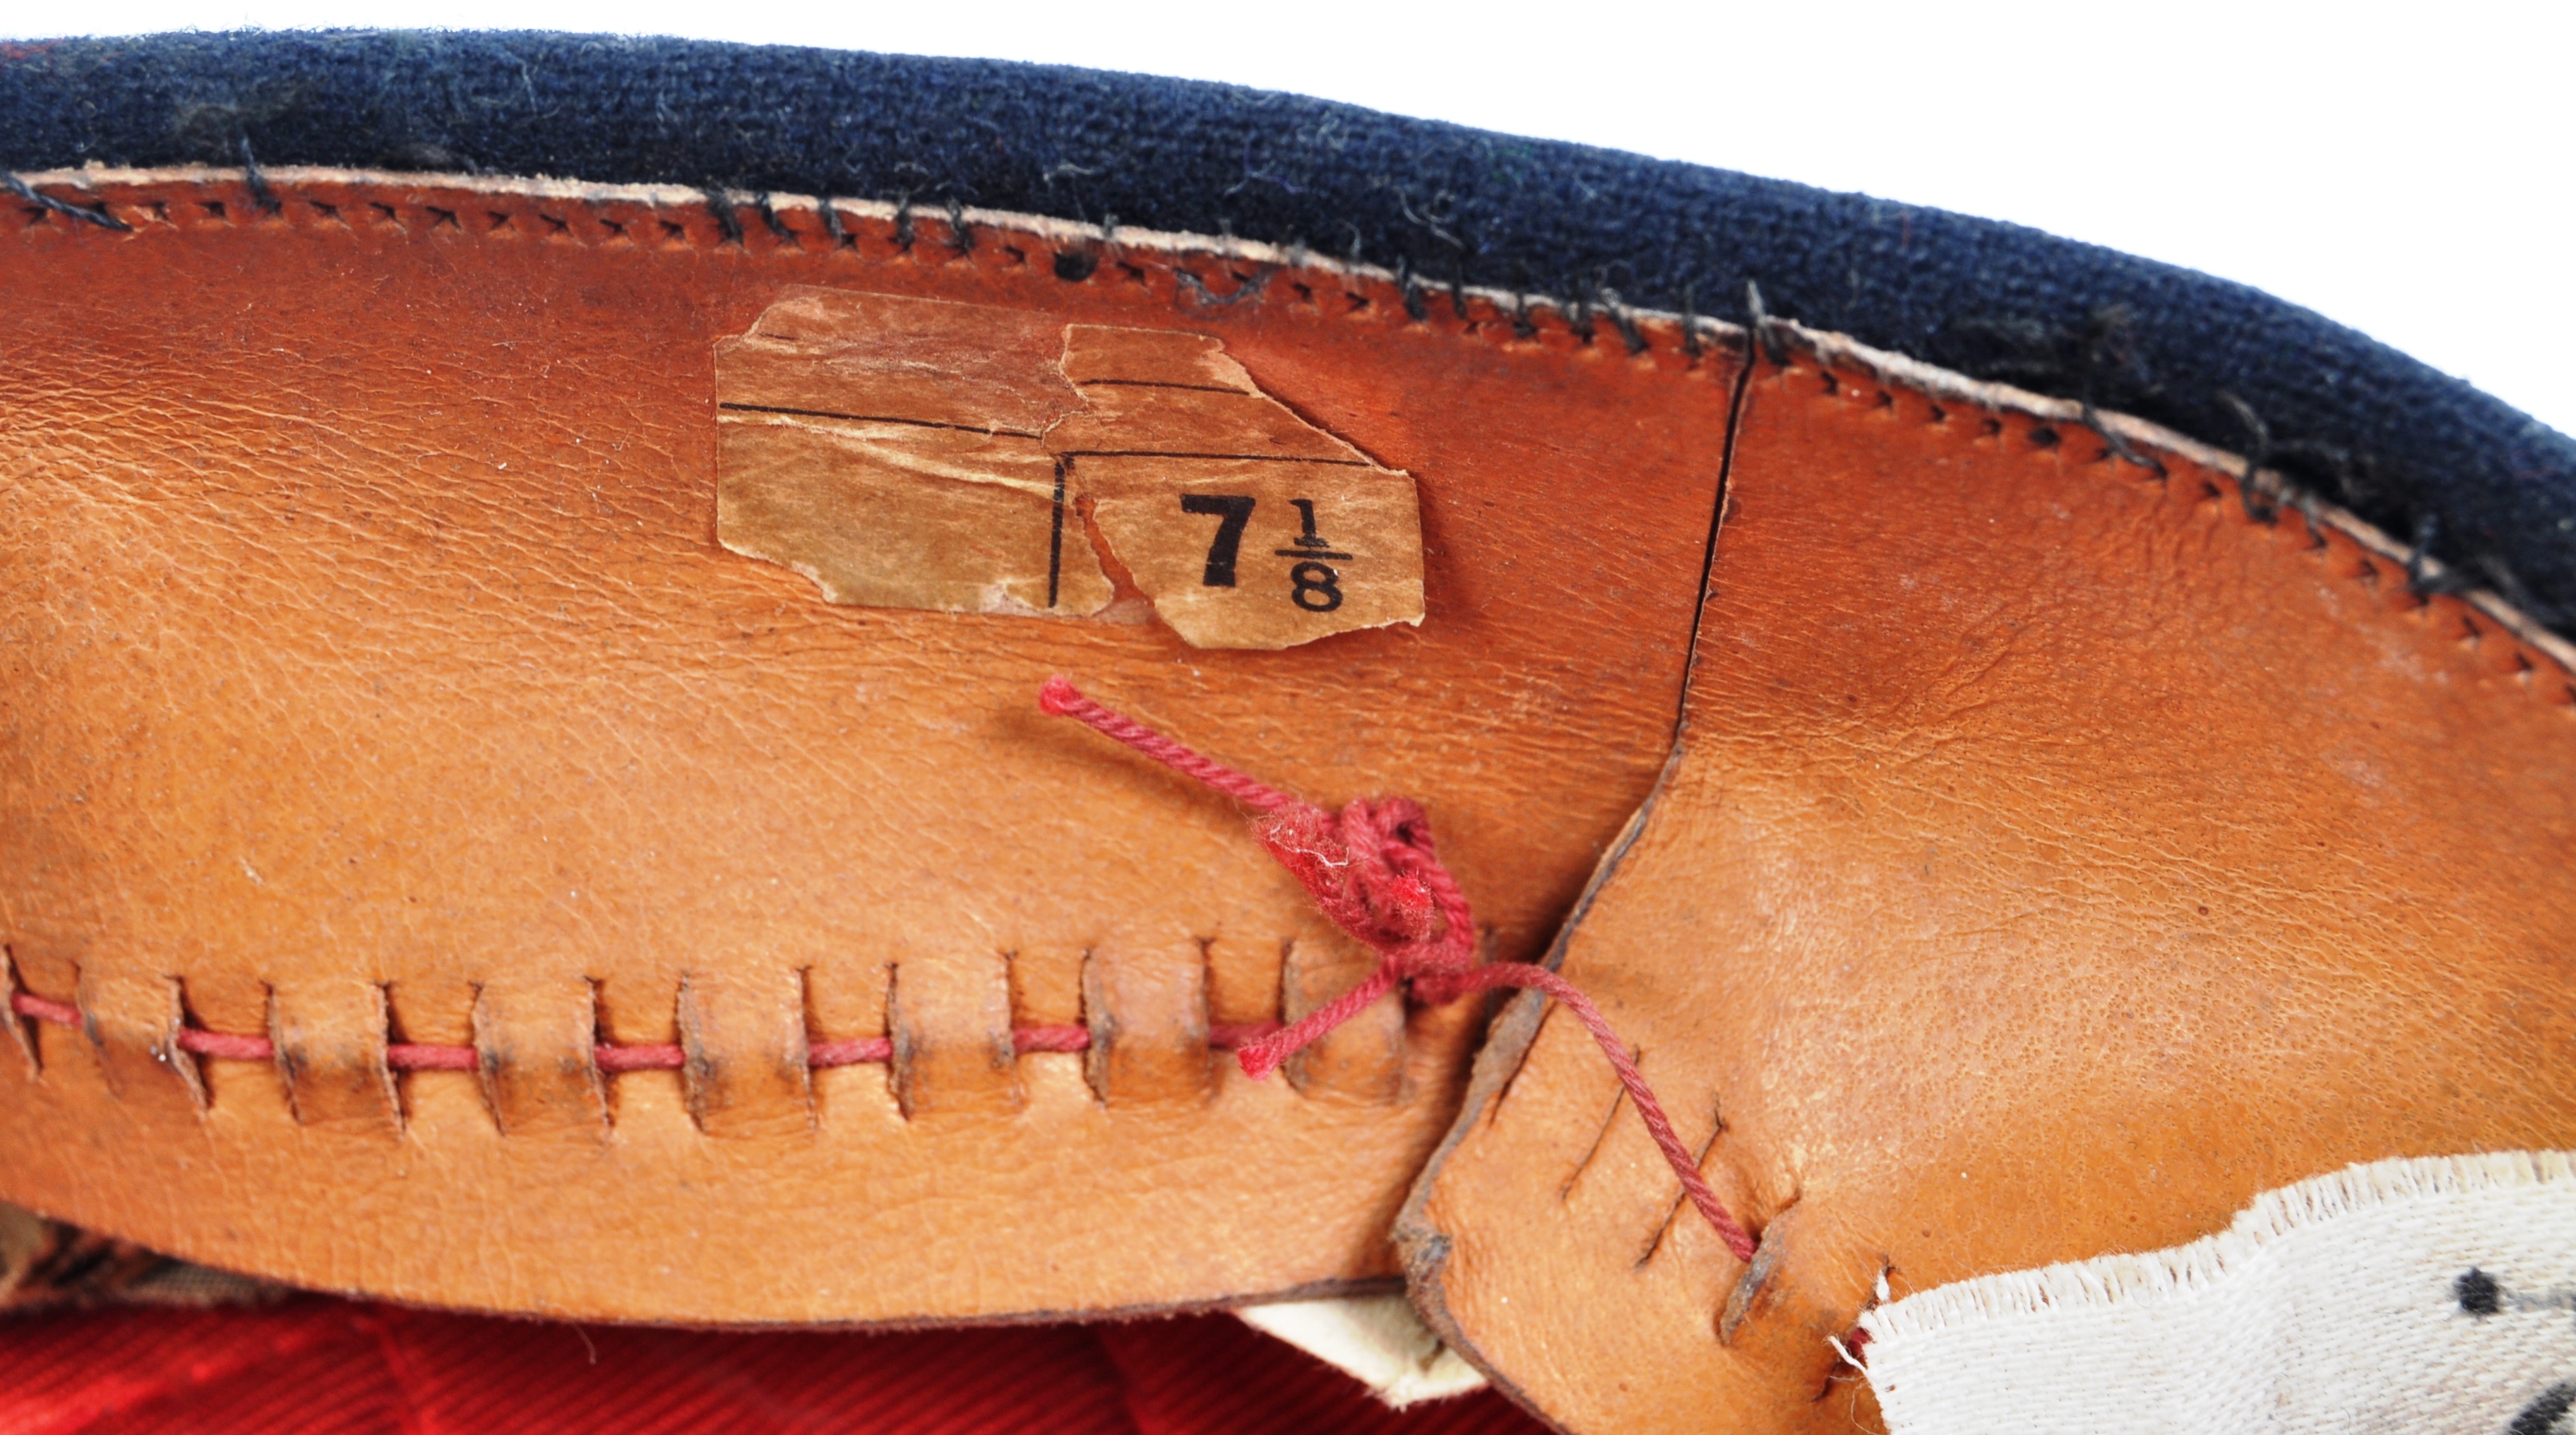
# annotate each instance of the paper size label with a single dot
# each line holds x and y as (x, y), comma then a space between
(912, 453)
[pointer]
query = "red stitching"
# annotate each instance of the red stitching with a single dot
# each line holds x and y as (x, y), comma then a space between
(613, 1057)
(1371, 869)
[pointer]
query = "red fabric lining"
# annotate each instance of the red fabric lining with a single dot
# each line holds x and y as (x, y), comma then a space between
(315, 1366)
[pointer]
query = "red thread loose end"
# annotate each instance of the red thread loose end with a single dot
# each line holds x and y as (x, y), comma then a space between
(1372, 870)
(1060, 698)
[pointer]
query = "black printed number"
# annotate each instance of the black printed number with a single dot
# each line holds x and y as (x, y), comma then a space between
(1232, 511)
(1313, 584)
(1315, 587)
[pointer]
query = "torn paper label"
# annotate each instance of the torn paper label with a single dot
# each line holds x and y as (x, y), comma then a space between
(1239, 554)
(913, 453)
(896, 515)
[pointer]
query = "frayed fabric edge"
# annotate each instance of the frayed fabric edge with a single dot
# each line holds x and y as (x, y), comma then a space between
(2203, 1264)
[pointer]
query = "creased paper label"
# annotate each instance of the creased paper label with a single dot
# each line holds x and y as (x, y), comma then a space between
(912, 453)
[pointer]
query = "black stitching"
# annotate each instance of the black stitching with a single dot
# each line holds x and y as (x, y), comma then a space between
(2258, 453)
(1251, 288)
(2119, 447)
(961, 237)
(832, 223)
(728, 222)
(2421, 580)
(777, 227)
(1410, 287)
(1579, 318)
(260, 193)
(1622, 320)
(1763, 331)
(80, 213)
(2306, 504)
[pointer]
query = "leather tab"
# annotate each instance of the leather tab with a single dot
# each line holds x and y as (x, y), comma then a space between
(330, 1040)
(743, 1035)
(132, 1023)
(950, 1018)
(1363, 1058)
(535, 1042)
(1148, 1012)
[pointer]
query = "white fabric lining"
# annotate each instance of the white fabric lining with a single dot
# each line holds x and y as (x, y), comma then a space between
(2348, 1302)
(1377, 1340)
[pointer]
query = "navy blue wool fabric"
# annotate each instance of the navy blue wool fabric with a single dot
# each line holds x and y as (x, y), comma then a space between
(2425, 456)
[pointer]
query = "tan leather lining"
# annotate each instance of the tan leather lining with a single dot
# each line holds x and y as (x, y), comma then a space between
(385, 684)
(2055, 856)
(377, 677)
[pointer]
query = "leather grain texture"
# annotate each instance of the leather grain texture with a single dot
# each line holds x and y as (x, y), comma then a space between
(2057, 854)
(370, 675)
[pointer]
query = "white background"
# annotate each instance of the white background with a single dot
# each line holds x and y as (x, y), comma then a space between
(2407, 172)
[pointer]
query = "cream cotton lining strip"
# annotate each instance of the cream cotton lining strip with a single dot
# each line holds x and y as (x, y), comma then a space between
(2434, 1294)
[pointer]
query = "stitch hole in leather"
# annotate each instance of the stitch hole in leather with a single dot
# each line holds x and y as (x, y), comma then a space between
(638, 1027)
(238, 1070)
(1074, 266)
(849, 1041)
(828, 212)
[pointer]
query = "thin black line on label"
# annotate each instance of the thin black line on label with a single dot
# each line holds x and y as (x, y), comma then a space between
(1055, 538)
(1237, 457)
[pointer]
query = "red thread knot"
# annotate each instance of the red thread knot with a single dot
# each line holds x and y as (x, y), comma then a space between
(1372, 871)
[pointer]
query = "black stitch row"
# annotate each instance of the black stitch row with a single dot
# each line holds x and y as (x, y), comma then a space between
(1071, 264)
(2261, 500)
(2044, 437)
